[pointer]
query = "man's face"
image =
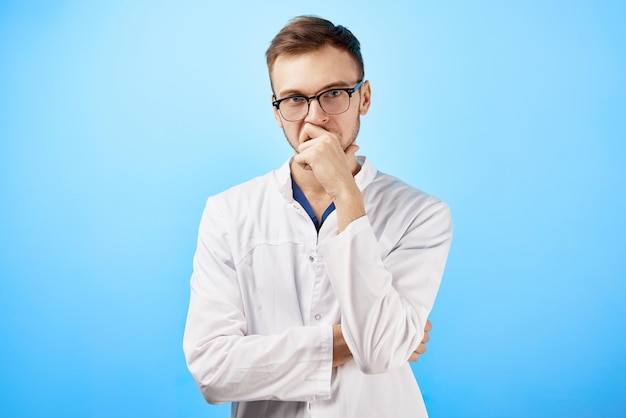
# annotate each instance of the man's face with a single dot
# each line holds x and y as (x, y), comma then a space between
(308, 75)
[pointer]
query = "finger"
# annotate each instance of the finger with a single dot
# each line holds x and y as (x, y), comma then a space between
(305, 134)
(428, 326)
(310, 131)
(301, 161)
(426, 338)
(421, 349)
(414, 357)
(351, 150)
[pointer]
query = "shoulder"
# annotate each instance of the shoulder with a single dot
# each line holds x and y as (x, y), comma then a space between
(398, 210)
(241, 193)
(258, 196)
(382, 188)
(388, 190)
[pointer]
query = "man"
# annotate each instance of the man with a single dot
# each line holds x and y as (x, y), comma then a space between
(312, 284)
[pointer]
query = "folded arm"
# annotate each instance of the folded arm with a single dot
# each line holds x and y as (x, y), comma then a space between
(385, 303)
(229, 365)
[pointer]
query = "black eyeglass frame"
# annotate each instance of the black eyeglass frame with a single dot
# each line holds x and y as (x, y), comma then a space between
(350, 91)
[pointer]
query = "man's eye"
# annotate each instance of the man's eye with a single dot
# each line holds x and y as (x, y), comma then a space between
(331, 94)
(295, 100)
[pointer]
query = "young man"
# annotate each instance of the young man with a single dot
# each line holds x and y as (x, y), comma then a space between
(312, 284)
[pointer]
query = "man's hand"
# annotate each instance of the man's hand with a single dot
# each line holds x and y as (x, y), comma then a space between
(321, 151)
(421, 349)
(333, 166)
(342, 354)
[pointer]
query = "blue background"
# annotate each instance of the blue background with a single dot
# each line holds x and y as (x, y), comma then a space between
(118, 119)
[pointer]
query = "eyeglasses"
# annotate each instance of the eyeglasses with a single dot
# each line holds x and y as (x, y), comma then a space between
(332, 102)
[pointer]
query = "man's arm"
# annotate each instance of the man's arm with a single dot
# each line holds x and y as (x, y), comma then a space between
(384, 303)
(227, 363)
(342, 354)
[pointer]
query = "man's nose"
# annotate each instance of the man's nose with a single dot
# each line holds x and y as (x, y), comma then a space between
(316, 114)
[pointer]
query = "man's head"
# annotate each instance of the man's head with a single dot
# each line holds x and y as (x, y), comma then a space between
(313, 62)
(309, 34)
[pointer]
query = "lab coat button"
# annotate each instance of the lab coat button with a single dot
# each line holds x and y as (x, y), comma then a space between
(318, 316)
(311, 258)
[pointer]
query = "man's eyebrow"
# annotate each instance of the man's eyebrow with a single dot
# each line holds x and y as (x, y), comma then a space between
(296, 92)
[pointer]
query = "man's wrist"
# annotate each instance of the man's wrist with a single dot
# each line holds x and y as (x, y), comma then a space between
(349, 207)
(341, 352)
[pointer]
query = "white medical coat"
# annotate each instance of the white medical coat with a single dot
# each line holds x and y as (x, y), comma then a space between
(266, 289)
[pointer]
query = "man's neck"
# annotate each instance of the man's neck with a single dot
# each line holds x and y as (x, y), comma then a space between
(309, 185)
(307, 182)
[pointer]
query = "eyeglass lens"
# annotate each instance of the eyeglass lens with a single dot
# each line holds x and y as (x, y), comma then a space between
(332, 102)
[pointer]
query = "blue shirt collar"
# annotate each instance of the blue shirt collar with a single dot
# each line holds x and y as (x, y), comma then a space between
(299, 197)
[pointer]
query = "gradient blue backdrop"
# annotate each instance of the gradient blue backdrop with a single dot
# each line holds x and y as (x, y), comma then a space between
(119, 118)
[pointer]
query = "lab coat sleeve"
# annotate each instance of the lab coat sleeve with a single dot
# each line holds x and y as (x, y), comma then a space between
(229, 365)
(385, 299)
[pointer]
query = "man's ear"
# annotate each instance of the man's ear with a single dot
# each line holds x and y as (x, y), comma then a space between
(279, 120)
(366, 97)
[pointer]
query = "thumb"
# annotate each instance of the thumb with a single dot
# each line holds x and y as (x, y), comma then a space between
(351, 150)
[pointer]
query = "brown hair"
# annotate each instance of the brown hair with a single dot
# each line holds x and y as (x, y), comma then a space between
(310, 33)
